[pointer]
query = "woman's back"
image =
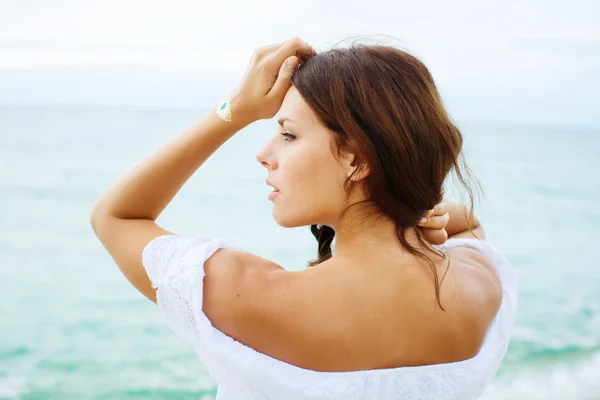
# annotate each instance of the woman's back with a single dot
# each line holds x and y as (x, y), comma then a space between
(347, 315)
(360, 357)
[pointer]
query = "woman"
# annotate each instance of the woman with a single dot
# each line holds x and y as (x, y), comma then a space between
(362, 151)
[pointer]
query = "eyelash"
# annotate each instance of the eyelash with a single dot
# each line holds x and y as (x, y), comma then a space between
(288, 136)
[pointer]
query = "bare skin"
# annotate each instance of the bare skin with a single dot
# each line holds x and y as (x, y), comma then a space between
(370, 306)
(367, 309)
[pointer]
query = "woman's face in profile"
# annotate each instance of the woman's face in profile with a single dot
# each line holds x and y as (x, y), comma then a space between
(308, 178)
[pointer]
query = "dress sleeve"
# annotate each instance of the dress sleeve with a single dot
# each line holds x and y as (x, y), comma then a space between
(175, 266)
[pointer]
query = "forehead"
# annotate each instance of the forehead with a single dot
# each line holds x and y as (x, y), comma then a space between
(295, 108)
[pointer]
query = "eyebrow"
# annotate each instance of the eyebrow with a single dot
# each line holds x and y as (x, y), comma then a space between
(282, 120)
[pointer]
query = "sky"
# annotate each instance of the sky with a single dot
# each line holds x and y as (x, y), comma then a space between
(514, 62)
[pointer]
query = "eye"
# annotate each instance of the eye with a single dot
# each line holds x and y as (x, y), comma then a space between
(288, 136)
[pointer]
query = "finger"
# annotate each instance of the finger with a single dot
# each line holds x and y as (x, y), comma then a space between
(435, 222)
(438, 221)
(427, 214)
(439, 209)
(284, 78)
(425, 220)
(294, 47)
(435, 236)
(271, 48)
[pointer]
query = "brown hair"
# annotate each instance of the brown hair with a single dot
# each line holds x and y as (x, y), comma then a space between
(383, 104)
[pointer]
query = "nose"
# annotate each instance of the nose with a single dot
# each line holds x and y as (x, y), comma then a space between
(266, 157)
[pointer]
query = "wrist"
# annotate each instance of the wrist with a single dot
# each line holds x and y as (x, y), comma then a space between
(240, 109)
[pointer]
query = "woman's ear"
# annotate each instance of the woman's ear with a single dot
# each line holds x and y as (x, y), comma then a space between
(361, 171)
(356, 167)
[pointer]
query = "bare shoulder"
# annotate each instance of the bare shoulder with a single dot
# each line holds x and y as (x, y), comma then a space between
(236, 284)
(478, 296)
(470, 294)
(262, 305)
(479, 293)
(480, 266)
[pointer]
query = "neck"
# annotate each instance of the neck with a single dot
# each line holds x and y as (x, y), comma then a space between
(360, 231)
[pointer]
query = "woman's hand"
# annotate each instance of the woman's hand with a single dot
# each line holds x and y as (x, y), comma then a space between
(433, 225)
(268, 78)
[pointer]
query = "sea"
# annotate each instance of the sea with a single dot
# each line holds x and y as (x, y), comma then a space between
(72, 327)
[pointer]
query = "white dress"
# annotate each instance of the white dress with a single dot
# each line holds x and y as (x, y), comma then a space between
(175, 266)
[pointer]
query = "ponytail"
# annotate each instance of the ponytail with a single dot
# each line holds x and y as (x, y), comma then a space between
(324, 235)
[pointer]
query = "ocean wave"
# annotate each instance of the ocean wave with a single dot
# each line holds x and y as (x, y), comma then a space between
(577, 380)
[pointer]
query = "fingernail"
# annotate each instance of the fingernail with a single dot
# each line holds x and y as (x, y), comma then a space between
(423, 220)
(291, 64)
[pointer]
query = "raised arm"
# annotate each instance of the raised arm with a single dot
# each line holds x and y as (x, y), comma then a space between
(124, 216)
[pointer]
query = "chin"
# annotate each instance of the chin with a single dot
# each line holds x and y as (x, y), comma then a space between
(287, 220)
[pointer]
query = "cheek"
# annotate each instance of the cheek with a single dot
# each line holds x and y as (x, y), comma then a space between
(314, 191)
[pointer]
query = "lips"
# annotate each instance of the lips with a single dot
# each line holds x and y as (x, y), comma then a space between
(270, 184)
(273, 195)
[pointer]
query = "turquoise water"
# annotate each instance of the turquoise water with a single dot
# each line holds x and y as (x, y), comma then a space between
(72, 327)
